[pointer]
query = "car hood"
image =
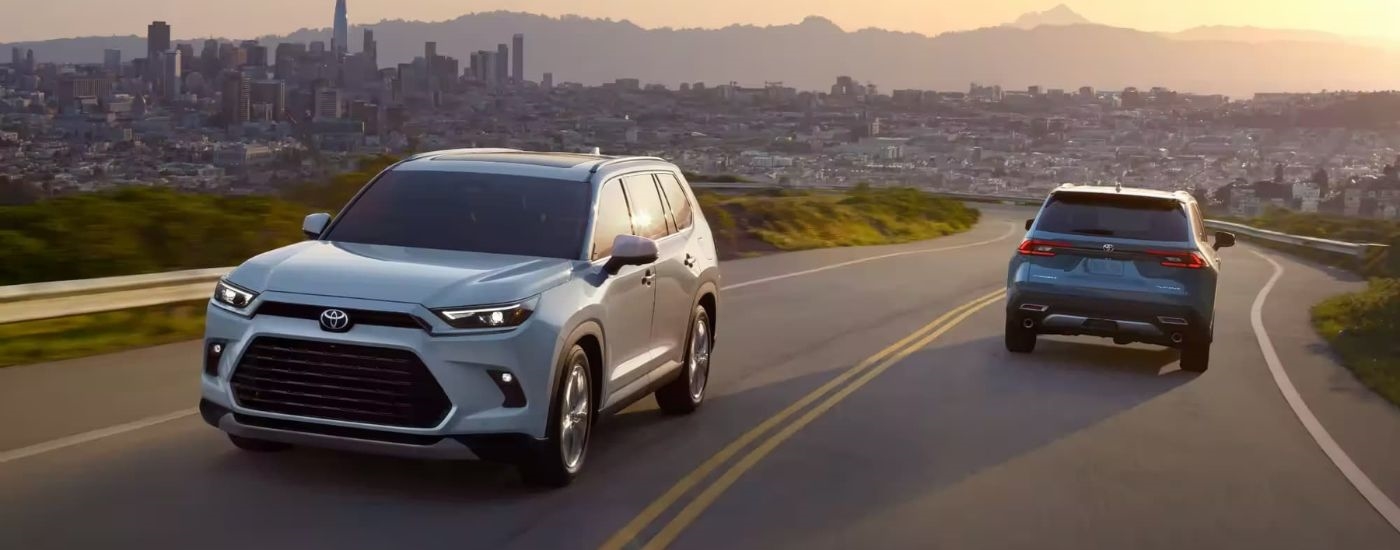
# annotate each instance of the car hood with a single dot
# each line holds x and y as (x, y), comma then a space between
(433, 278)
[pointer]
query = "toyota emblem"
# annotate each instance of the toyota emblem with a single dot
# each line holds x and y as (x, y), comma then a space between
(334, 320)
(1108, 248)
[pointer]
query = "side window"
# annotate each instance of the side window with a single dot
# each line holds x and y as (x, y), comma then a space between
(613, 219)
(1199, 221)
(680, 203)
(648, 214)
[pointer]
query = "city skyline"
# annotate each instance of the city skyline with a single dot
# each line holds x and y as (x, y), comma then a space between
(52, 20)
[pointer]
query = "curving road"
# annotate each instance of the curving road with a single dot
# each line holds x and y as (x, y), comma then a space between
(871, 409)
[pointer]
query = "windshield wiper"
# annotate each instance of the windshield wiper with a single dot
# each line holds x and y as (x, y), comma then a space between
(1100, 232)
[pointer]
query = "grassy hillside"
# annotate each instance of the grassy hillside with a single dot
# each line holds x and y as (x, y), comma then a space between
(785, 220)
(1362, 328)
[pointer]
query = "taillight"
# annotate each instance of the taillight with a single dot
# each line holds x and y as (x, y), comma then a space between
(1035, 247)
(1182, 259)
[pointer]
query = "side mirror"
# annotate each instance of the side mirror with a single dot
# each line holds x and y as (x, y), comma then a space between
(314, 224)
(1029, 223)
(1224, 240)
(631, 250)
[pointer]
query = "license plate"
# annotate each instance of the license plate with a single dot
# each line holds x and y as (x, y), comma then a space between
(1105, 267)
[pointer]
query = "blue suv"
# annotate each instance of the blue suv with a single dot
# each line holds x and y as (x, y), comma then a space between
(1134, 265)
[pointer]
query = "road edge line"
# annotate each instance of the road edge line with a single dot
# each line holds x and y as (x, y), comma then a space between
(627, 533)
(1359, 480)
(78, 439)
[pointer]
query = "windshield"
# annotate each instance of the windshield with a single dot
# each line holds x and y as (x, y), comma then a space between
(1123, 217)
(498, 214)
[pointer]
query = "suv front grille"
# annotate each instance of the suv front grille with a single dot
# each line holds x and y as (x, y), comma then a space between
(373, 385)
(357, 316)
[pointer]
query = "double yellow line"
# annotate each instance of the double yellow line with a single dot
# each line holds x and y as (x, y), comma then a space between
(844, 385)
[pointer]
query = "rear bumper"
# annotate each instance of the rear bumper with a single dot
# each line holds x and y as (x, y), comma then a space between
(1135, 320)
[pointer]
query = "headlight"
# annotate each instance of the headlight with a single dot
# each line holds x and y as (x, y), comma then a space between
(488, 317)
(233, 297)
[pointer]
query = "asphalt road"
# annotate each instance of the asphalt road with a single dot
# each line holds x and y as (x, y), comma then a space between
(956, 444)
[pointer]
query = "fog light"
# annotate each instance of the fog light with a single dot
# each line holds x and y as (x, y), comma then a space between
(514, 395)
(213, 353)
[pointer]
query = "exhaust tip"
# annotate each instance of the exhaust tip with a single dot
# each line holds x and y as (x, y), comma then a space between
(1034, 307)
(1178, 338)
(1028, 323)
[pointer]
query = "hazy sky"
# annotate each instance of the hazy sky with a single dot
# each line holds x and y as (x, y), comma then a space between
(40, 19)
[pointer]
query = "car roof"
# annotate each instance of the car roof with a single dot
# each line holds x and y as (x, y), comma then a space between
(552, 165)
(1123, 191)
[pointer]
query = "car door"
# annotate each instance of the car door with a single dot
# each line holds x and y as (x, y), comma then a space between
(628, 297)
(652, 220)
(678, 277)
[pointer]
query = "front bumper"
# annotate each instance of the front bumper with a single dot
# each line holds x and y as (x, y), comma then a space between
(1145, 319)
(462, 365)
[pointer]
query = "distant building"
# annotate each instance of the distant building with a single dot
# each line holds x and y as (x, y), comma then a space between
(502, 63)
(111, 61)
(371, 48)
(518, 62)
(629, 84)
(548, 81)
(157, 42)
(340, 33)
(327, 104)
(170, 75)
(272, 94)
(256, 53)
(237, 98)
(16, 57)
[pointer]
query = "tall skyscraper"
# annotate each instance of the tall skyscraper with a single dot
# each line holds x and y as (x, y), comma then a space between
(340, 39)
(16, 57)
(170, 75)
(111, 60)
(157, 38)
(502, 64)
(257, 53)
(237, 98)
(30, 65)
(518, 62)
(188, 62)
(548, 81)
(371, 48)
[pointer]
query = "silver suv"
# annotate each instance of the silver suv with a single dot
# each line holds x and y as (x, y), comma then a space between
(474, 304)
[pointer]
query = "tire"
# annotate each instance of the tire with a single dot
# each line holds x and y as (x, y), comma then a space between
(257, 445)
(1019, 339)
(556, 461)
(686, 393)
(1195, 357)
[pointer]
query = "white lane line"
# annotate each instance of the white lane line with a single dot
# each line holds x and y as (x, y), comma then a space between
(736, 286)
(1358, 479)
(25, 452)
(69, 441)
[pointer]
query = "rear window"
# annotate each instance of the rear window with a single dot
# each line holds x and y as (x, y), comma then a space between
(491, 213)
(1123, 217)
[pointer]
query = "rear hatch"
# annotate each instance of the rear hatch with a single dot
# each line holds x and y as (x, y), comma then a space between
(1114, 246)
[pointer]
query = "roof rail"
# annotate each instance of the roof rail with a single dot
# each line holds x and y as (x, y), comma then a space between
(620, 160)
(468, 151)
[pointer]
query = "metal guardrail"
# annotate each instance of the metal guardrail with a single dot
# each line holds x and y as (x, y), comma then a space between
(38, 301)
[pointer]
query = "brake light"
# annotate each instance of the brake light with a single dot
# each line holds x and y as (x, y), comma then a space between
(1036, 247)
(1182, 259)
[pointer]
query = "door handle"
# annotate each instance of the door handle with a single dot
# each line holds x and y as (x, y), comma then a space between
(648, 278)
(690, 260)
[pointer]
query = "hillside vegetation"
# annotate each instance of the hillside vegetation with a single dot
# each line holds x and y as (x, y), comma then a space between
(788, 220)
(1363, 329)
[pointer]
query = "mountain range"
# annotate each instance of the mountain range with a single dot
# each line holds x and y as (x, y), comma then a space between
(1054, 49)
